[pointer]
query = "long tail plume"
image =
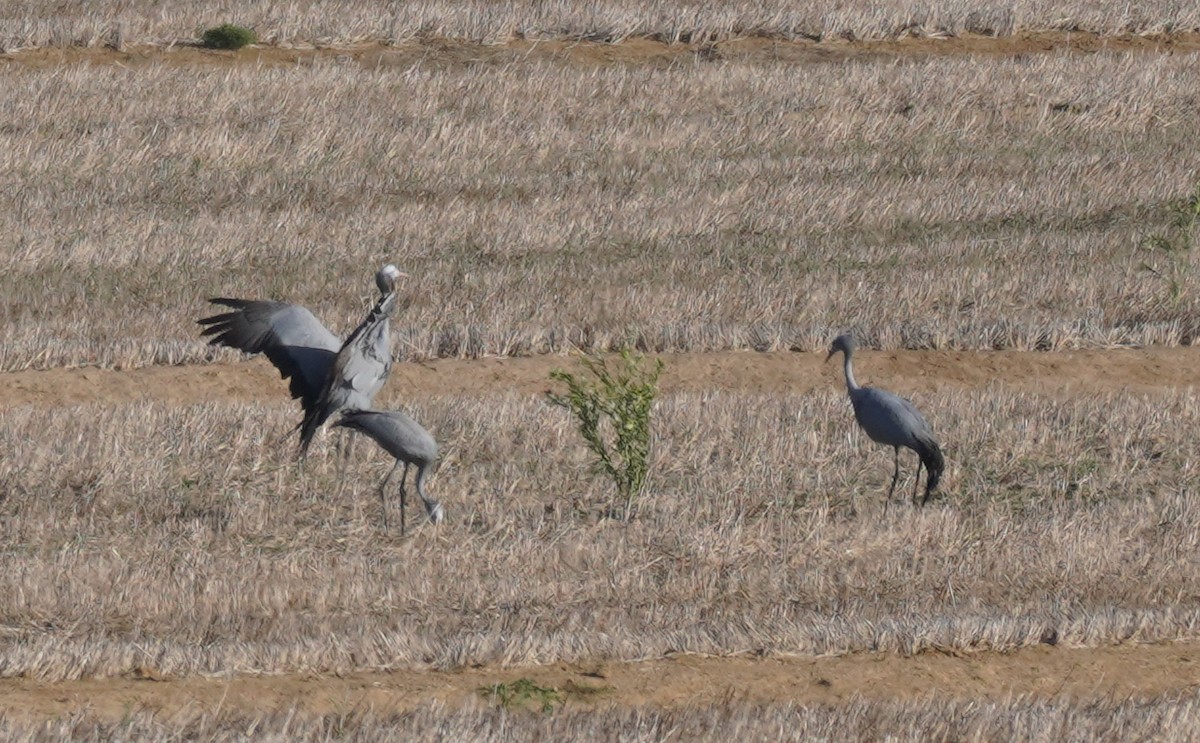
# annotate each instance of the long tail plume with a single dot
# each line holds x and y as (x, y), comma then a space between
(312, 421)
(935, 464)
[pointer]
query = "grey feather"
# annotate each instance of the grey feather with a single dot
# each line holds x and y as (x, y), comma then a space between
(300, 347)
(409, 443)
(891, 420)
(326, 375)
(361, 367)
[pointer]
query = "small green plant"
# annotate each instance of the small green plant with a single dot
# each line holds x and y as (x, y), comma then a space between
(523, 692)
(612, 406)
(228, 36)
(1174, 245)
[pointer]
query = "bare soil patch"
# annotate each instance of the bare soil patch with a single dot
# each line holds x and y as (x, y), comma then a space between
(674, 681)
(438, 52)
(1135, 370)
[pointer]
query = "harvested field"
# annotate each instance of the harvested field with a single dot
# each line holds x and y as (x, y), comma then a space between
(969, 194)
(931, 203)
(339, 22)
(205, 553)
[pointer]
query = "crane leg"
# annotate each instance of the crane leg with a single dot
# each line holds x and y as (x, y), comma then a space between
(403, 498)
(383, 492)
(895, 475)
(917, 483)
(338, 471)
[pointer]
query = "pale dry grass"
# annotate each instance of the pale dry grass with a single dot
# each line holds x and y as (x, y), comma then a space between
(343, 21)
(183, 540)
(964, 202)
(1167, 719)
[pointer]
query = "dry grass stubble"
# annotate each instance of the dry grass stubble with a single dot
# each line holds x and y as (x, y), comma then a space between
(183, 540)
(538, 206)
(342, 21)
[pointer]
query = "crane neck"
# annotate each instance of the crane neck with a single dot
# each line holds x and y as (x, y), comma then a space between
(385, 305)
(848, 365)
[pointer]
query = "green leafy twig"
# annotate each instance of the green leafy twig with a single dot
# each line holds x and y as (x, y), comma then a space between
(612, 406)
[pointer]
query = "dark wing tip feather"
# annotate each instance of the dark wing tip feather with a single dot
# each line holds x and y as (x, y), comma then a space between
(935, 464)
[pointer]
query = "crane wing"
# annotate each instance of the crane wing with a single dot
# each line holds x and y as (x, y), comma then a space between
(287, 334)
(888, 418)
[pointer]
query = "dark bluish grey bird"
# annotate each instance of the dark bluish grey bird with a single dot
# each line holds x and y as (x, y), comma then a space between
(326, 374)
(409, 443)
(893, 421)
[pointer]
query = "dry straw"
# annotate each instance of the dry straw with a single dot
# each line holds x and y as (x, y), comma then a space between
(969, 202)
(350, 21)
(185, 540)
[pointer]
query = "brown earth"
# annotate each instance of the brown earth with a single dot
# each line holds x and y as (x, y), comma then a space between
(1143, 370)
(440, 52)
(676, 680)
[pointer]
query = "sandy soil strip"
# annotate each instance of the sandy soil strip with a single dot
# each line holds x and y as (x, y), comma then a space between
(638, 51)
(1142, 670)
(1137, 371)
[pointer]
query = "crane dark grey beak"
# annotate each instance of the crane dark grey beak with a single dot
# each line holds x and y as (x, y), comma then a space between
(829, 355)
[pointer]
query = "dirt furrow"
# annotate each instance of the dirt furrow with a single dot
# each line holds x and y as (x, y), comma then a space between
(678, 680)
(1137, 371)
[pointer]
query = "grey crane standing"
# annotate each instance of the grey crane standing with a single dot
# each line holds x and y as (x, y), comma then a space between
(409, 443)
(326, 375)
(893, 421)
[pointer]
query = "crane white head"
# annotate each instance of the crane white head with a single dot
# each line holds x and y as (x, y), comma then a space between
(844, 343)
(436, 513)
(387, 277)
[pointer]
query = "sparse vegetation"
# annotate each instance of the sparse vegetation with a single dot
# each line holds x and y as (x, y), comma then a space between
(1172, 248)
(228, 36)
(612, 404)
(523, 693)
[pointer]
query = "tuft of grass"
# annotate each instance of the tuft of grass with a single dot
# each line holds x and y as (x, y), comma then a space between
(1173, 247)
(228, 36)
(1167, 718)
(523, 692)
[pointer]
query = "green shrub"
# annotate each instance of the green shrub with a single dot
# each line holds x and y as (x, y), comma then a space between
(612, 408)
(228, 36)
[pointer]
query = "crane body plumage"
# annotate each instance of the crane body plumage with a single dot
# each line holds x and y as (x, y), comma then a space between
(358, 372)
(409, 443)
(891, 420)
(325, 374)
